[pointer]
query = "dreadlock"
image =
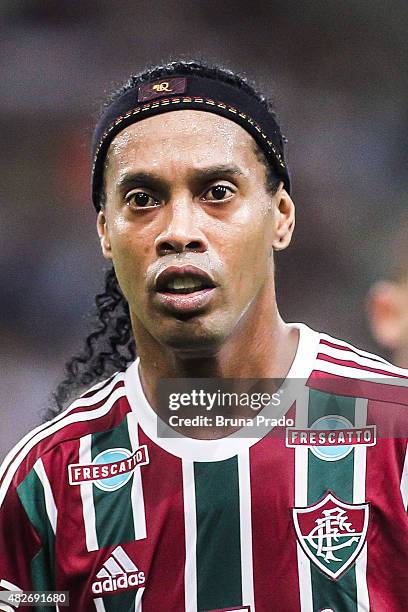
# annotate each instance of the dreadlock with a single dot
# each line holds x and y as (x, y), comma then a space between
(110, 347)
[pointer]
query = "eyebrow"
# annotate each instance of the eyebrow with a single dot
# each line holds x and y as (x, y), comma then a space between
(153, 179)
(220, 170)
(129, 179)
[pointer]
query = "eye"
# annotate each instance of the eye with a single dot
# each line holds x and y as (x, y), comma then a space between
(218, 193)
(141, 199)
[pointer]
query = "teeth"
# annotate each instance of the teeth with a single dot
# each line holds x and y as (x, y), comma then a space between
(184, 283)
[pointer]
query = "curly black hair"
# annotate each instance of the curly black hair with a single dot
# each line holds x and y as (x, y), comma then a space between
(110, 347)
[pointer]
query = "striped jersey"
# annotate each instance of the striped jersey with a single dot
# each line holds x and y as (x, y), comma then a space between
(311, 516)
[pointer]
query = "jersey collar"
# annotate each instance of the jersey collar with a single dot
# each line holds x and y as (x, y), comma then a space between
(223, 448)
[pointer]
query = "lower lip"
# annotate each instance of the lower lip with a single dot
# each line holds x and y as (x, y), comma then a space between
(185, 303)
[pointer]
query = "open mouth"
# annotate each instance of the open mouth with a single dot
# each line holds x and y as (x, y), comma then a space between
(185, 285)
(188, 279)
(184, 290)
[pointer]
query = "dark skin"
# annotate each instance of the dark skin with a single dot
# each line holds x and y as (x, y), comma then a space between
(388, 314)
(188, 188)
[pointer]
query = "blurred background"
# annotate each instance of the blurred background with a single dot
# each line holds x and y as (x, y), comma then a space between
(337, 71)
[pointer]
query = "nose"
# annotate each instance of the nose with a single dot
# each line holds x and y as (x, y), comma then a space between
(181, 232)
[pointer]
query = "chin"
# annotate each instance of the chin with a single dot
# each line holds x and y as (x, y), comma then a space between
(198, 341)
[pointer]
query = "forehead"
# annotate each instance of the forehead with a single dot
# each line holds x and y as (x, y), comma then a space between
(189, 137)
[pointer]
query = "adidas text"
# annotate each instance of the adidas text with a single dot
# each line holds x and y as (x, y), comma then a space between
(119, 583)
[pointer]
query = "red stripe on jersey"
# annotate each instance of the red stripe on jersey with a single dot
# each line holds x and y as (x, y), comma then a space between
(16, 552)
(47, 426)
(162, 554)
(340, 347)
(69, 432)
(355, 387)
(354, 364)
(387, 540)
(273, 535)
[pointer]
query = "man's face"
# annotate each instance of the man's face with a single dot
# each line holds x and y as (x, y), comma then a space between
(190, 226)
(388, 317)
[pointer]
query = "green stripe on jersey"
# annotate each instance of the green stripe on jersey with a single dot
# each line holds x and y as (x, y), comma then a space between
(125, 602)
(113, 509)
(31, 494)
(219, 580)
(337, 476)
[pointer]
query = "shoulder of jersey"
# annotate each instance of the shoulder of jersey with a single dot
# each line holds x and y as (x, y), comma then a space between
(340, 361)
(95, 410)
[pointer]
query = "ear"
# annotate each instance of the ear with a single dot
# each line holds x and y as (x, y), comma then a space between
(384, 314)
(103, 232)
(285, 219)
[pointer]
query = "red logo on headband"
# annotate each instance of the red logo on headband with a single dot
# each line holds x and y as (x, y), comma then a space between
(164, 87)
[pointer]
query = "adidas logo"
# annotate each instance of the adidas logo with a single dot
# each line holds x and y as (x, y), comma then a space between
(118, 573)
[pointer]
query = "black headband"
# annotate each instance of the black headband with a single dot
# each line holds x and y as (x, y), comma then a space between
(146, 99)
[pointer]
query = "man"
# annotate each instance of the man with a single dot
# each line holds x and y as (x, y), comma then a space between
(387, 302)
(193, 198)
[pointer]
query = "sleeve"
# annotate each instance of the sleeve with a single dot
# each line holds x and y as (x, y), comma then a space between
(26, 551)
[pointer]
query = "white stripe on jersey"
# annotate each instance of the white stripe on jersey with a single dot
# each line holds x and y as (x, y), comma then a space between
(137, 497)
(124, 560)
(247, 569)
(113, 567)
(190, 527)
(358, 359)
(363, 599)
(99, 605)
(359, 497)
(404, 481)
(79, 403)
(138, 599)
(301, 473)
(358, 374)
(90, 415)
(86, 488)
(9, 586)
(360, 453)
(50, 506)
(372, 356)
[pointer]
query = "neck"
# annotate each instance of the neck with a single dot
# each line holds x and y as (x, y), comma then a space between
(400, 357)
(260, 346)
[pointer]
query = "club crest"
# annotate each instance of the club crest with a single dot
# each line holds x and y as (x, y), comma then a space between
(332, 533)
